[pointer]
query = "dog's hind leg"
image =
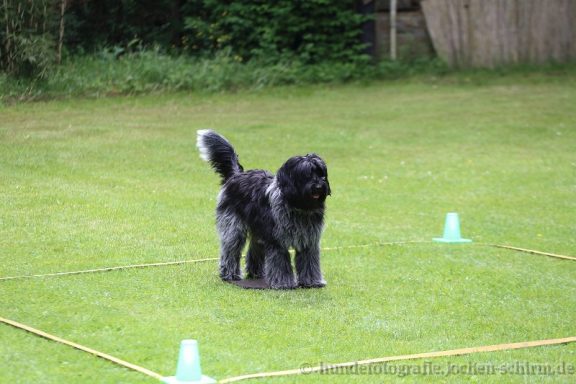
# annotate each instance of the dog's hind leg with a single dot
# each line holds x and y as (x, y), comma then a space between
(308, 268)
(255, 259)
(278, 269)
(232, 233)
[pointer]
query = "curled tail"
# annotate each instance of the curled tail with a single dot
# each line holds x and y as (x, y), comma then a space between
(216, 150)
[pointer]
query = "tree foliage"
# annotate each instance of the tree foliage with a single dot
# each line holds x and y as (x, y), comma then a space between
(304, 31)
(27, 43)
(312, 30)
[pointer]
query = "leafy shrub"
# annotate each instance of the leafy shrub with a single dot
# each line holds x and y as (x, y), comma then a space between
(310, 31)
(32, 56)
(26, 38)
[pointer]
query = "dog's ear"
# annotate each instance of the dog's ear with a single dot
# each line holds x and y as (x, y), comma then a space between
(317, 160)
(325, 171)
(285, 181)
(328, 189)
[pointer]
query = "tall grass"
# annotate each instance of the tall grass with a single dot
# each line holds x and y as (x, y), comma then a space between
(108, 73)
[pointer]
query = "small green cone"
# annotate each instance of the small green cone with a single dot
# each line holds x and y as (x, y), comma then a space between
(188, 370)
(452, 230)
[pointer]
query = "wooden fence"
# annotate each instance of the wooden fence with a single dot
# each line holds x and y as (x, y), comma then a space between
(487, 33)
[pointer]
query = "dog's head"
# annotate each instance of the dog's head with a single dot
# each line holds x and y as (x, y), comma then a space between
(303, 181)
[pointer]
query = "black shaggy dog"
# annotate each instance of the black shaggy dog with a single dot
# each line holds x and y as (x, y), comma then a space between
(277, 212)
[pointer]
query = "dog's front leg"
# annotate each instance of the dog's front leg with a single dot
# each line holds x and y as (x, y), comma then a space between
(308, 268)
(278, 269)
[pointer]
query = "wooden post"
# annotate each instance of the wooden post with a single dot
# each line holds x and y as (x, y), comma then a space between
(8, 38)
(61, 34)
(393, 8)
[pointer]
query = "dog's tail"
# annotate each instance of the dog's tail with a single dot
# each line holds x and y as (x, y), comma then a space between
(216, 150)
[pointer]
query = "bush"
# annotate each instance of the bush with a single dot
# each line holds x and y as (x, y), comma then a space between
(309, 31)
(28, 48)
(281, 36)
(32, 56)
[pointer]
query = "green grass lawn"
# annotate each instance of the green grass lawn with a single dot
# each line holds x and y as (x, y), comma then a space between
(109, 182)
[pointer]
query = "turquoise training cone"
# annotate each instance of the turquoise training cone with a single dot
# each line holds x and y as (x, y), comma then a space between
(188, 370)
(452, 230)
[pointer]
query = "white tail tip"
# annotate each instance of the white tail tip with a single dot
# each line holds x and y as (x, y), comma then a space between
(204, 154)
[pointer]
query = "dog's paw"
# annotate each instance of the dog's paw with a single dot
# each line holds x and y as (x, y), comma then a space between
(231, 277)
(312, 284)
(254, 276)
(283, 284)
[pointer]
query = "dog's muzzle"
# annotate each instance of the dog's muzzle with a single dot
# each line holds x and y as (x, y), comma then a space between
(317, 191)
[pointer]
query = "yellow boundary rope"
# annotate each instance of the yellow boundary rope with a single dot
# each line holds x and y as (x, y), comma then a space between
(454, 352)
(94, 352)
(108, 269)
(374, 245)
(532, 251)
(426, 355)
(300, 371)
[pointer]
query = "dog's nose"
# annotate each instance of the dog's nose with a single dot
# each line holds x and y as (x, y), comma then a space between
(316, 189)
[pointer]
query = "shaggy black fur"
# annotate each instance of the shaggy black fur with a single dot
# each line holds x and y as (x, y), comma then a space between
(277, 212)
